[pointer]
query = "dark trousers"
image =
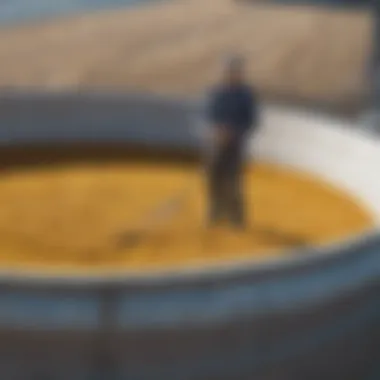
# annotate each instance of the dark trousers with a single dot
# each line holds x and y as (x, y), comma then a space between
(224, 181)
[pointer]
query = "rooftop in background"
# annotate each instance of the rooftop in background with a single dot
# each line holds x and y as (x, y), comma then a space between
(294, 54)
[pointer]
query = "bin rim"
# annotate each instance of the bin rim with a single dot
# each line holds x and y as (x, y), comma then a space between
(190, 274)
(290, 258)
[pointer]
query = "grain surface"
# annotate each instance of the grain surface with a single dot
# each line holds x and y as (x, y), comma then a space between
(71, 216)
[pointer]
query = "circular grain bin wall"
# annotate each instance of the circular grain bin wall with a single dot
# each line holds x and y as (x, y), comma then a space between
(312, 316)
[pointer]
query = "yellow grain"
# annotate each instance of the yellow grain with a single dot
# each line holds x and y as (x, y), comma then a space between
(69, 216)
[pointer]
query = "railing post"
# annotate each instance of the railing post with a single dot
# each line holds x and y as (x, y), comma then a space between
(104, 365)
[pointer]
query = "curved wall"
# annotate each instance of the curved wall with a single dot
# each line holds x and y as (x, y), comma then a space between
(313, 316)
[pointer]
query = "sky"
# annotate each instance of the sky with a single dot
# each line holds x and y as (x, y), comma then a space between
(18, 11)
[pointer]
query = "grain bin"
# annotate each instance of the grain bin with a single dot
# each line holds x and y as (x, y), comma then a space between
(313, 315)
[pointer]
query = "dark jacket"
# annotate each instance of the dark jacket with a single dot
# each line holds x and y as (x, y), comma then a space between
(233, 107)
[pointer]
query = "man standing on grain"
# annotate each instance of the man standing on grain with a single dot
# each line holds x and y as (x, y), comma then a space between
(231, 112)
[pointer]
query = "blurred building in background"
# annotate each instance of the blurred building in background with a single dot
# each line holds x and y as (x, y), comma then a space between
(371, 115)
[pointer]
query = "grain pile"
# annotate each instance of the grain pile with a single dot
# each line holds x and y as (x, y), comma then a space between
(68, 216)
